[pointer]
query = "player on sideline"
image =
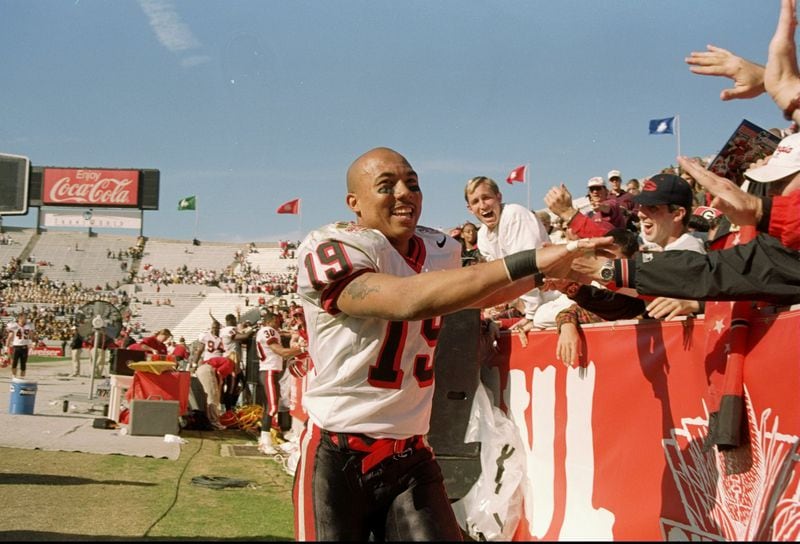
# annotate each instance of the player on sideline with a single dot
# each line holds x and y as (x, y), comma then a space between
(373, 292)
(21, 335)
(270, 365)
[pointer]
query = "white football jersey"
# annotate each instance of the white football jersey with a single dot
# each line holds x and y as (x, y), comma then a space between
(268, 359)
(212, 345)
(22, 333)
(227, 334)
(371, 376)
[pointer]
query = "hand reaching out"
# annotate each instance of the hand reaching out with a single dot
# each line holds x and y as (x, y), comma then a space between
(748, 77)
(670, 308)
(781, 75)
(568, 349)
(559, 201)
(741, 208)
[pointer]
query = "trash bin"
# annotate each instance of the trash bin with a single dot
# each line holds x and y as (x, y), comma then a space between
(23, 396)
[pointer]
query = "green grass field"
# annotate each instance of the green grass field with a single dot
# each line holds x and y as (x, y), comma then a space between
(60, 496)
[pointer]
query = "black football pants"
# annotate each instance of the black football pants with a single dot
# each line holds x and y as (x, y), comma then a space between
(400, 499)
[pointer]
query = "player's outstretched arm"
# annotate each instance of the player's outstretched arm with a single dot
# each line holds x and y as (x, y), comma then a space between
(438, 293)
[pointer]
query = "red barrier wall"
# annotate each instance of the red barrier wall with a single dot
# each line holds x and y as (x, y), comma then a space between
(615, 449)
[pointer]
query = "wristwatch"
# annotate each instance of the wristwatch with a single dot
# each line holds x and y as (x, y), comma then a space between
(607, 271)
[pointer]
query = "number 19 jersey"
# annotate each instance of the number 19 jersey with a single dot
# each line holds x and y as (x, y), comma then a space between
(372, 376)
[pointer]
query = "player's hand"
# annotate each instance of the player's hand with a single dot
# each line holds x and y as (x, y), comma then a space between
(747, 77)
(556, 260)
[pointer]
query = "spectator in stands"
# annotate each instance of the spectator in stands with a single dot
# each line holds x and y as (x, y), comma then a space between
(632, 187)
(700, 197)
(76, 347)
(616, 191)
(470, 254)
(764, 268)
(508, 228)
(664, 212)
(605, 208)
(665, 207)
(559, 201)
(557, 235)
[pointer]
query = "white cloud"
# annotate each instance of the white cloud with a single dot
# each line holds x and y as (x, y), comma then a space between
(173, 33)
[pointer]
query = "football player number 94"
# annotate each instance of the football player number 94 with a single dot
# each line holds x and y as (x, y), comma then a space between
(331, 260)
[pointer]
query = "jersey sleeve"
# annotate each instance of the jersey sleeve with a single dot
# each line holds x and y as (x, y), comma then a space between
(327, 265)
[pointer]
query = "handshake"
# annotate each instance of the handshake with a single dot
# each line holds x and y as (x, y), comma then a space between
(584, 260)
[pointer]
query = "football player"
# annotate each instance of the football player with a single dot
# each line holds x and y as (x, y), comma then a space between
(373, 292)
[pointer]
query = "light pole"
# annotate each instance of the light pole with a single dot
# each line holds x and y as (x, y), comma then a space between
(97, 324)
(87, 215)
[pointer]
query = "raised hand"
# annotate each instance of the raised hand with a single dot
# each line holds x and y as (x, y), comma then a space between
(747, 76)
(781, 75)
(741, 208)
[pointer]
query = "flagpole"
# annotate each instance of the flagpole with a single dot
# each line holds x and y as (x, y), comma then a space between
(678, 132)
(196, 216)
(528, 183)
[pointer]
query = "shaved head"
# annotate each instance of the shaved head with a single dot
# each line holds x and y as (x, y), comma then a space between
(383, 191)
(363, 165)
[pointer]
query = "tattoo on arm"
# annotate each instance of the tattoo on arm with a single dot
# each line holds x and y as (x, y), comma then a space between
(359, 289)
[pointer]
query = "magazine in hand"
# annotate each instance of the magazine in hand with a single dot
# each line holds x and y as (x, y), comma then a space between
(747, 144)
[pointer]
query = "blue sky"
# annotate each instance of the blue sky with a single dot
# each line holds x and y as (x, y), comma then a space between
(247, 104)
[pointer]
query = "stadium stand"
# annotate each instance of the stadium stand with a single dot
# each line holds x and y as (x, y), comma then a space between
(241, 274)
(75, 257)
(16, 241)
(268, 260)
(172, 254)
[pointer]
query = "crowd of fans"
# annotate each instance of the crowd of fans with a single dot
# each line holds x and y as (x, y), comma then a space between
(244, 279)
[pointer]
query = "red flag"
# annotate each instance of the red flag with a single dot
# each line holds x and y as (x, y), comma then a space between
(293, 206)
(517, 175)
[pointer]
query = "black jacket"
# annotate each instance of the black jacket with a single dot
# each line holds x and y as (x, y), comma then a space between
(762, 269)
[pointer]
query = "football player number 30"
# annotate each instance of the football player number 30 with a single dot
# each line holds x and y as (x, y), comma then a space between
(386, 371)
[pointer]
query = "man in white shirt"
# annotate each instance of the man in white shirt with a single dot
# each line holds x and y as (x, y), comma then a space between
(508, 228)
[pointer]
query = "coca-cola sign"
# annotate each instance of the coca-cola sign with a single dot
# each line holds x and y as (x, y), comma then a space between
(90, 187)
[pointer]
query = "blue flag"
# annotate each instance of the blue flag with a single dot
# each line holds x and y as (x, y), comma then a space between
(661, 126)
